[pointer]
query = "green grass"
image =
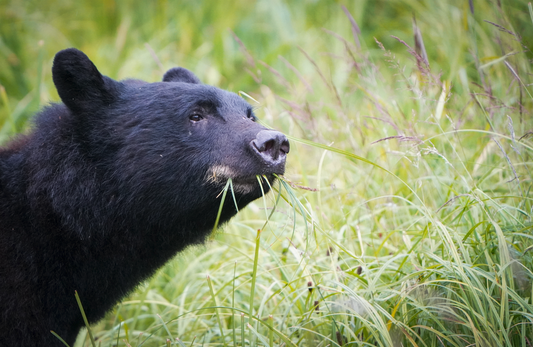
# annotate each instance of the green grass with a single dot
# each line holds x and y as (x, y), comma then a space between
(417, 230)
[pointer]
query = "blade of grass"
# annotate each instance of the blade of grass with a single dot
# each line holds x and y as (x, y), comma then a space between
(215, 301)
(91, 337)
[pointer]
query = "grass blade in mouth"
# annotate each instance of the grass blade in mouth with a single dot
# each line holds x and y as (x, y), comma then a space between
(224, 192)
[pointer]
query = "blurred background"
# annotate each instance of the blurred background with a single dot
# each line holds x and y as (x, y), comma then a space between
(405, 214)
(124, 38)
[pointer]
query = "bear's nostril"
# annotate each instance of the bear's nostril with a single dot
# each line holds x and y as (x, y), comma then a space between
(269, 145)
(285, 146)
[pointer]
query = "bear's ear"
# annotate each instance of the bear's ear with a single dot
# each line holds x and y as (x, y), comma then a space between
(179, 74)
(79, 83)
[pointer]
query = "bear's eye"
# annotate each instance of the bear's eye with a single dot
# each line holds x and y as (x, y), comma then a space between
(250, 115)
(195, 117)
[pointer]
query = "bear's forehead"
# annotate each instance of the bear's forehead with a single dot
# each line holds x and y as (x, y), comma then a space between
(190, 94)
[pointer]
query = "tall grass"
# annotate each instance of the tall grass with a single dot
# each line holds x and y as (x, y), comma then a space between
(410, 124)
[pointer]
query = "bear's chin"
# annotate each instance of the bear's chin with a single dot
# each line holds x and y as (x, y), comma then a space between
(251, 185)
(254, 185)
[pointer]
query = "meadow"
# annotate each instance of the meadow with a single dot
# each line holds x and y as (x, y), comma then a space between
(405, 214)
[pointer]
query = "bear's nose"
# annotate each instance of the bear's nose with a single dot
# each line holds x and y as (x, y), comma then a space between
(271, 145)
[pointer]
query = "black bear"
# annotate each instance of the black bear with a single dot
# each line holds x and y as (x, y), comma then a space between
(112, 183)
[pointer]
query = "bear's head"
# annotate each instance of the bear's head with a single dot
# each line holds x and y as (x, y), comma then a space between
(171, 145)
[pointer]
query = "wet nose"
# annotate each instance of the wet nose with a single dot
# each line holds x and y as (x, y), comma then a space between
(271, 145)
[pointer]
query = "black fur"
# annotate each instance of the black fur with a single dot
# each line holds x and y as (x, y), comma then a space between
(110, 185)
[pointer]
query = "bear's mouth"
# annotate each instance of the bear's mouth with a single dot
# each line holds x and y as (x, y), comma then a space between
(220, 174)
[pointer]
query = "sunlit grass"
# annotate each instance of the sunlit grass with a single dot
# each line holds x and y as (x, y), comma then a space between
(413, 226)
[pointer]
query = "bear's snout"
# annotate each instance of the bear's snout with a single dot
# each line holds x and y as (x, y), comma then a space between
(272, 146)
